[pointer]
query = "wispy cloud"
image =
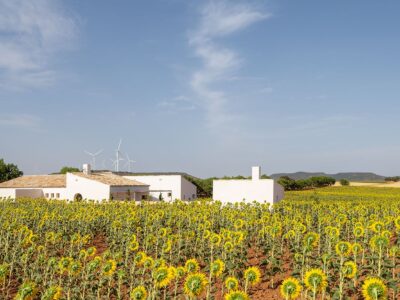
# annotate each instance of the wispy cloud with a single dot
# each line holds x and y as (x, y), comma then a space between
(31, 32)
(25, 121)
(177, 104)
(218, 19)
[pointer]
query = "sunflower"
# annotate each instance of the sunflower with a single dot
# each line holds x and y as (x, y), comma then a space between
(195, 284)
(180, 272)
(311, 239)
(238, 224)
(217, 267)
(162, 276)
(231, 283)
(109, 267)
(290, 288)
(133, 245)
(374, 289)
(64, 263)
(377, 226)
(192, 266)
(252, 275)
(349, 269)
(138, 293)
(148, 262)
(356, 248)
(140, 258)
(26, 291)
(379, 242)
(237, 295)
(315, 280)
(215, 239)
(75, 268)
(386, 234)
(167, 247)
(397, 222)
(343, 248)
(358, 231)
(228, 246)
(52, 293)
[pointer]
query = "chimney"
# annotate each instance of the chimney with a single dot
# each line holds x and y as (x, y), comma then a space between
(256, 173)
(86, 169)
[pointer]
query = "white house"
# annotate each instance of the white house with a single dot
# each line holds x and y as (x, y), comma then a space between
(166, 186)
(85, 185)
(249, 190)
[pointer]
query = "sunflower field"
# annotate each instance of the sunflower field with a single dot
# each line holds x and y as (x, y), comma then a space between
(330, 243)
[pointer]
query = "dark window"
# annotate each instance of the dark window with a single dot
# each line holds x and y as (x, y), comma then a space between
(169, 194)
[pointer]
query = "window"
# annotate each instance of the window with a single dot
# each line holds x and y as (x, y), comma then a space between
(193, 196)
(58, 195)
(52, 195)
(46, 195)
(144, 197)
(169, 194)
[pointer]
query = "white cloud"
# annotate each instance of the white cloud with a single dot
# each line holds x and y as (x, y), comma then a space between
(218, 19)
(31, 32)
(177, 104)
(25, 121)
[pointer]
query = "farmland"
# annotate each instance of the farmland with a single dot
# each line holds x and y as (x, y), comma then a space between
(330, 243)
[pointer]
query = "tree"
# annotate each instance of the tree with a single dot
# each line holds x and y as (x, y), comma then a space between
(9, 171)
(65, 170)
(344, 182)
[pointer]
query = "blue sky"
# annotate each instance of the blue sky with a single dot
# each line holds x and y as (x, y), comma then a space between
(205, 87)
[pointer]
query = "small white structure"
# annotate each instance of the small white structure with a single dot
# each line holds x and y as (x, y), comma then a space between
(166, 186)
(249, 190)
(84, 185)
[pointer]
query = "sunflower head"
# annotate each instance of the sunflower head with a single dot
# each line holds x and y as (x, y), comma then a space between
(139, 258)
(52, 293)
(217, 267)
(236, 295)
(358, 231)
(228, 246)
(356, 248)
(162, 276)
(192, 266)
(349, 269)
(343, 248)
(290, 288)
(134, 245)
(26, 291)
(377, 226)
(252, 275)
(215, 239)
(75, 268)
(231, 283)
(315, 280)
(311, 239)
(64, 263)
(379, 242)
(180, 272)
(138, 293)
(374, 289)
(195, 284)
(109, 267)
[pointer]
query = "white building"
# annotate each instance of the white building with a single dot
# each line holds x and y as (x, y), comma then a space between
(166, 186)
(84, 185)
(249, 190)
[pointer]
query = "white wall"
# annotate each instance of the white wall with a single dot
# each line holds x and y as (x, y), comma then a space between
(175, 185)
(7, 193)
(52, 193)
(262, 190)
(89, 189)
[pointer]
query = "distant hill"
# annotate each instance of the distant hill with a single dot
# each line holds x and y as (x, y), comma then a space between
(351, 176)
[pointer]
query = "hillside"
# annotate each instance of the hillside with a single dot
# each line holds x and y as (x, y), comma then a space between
(352, 176)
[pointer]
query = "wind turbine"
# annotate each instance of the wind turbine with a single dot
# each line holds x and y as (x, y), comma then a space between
(129, 161)
(118, 157)
(93, 155)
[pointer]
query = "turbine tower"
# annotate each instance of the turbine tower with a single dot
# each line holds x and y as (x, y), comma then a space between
(129, 162)
(118, 156)
(93, 155)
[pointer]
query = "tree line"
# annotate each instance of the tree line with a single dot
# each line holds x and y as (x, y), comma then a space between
(290, 184)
